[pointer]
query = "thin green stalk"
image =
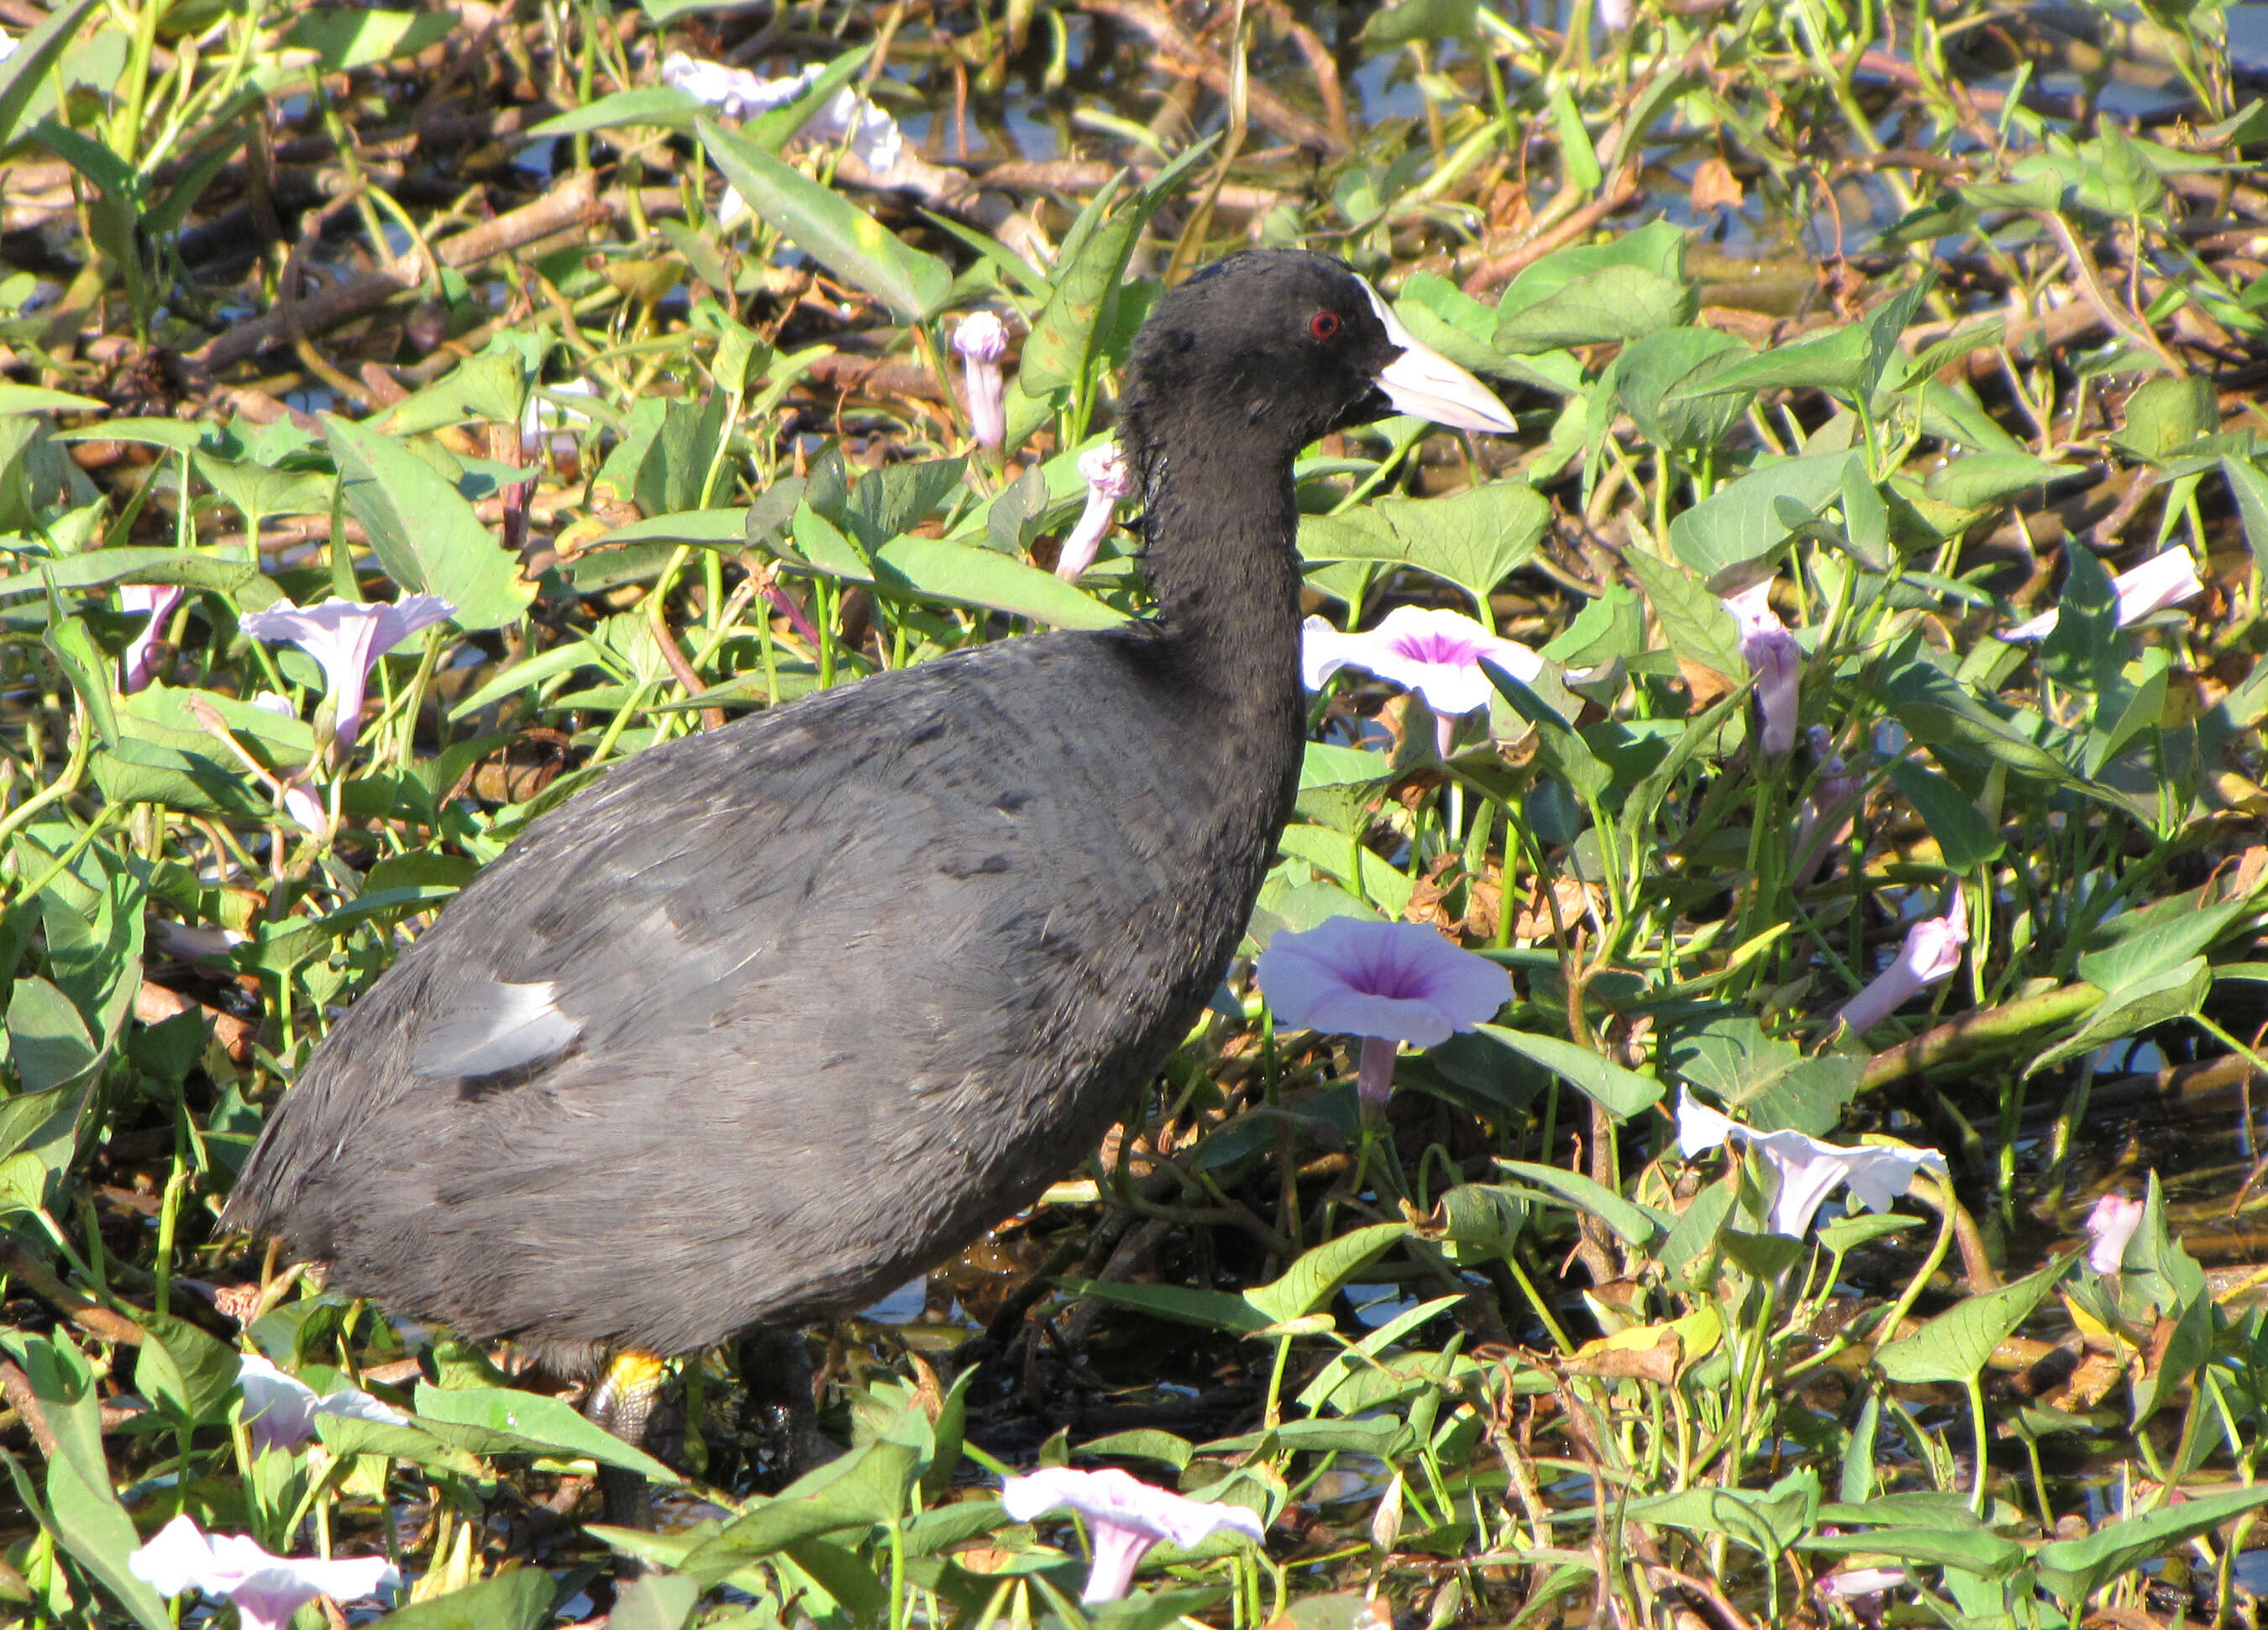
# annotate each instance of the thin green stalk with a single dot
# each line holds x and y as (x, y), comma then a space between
(63, 787)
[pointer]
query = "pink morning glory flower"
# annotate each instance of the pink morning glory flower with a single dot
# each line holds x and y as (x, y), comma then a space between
(1385, 982)
(2164, 580)
(138, 665)
(2109, 1226)
(1124, 1517)
(1776, 661)
(1436, 653)
(1107, 481)
(265, 1589)
(280, 1409)
(1809, 1169)
(1931, 953)
(982, 341)
(348, 638)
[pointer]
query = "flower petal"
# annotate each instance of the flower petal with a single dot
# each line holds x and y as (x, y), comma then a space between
(1400, 981)
(1808, 1167)
(267, 1589)
(177, 1557)
(1437, 653)
(279, 1409)
(1931, 953)
(137, 665)
(2164, 580)
(2109, 1227)
(346, 636)
(1699, 1127)
(1124, 1501)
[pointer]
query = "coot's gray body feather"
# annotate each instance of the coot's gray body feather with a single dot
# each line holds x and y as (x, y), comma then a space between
(778, 1015)
(723, 923)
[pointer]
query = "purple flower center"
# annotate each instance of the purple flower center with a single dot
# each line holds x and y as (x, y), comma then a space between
(1443, 649)
(1382, 968)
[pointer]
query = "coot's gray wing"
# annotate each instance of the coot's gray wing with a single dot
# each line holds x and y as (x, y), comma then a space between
(674, 1063)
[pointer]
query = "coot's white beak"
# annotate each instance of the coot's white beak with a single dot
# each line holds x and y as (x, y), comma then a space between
(1427, 385)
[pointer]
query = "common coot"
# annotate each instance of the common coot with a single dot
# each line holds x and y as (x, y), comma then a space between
(779, 1016)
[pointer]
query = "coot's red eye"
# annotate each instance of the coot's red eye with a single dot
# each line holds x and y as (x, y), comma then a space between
(1324, 325)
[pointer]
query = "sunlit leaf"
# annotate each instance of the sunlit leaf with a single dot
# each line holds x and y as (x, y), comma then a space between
(425, 534)
(518, 1599)
(1315, 1278)
(1954, 1346)
(1631, 1221)
(836, 234)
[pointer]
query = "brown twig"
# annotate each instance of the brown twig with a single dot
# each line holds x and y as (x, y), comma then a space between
(81, 1309)
(2089, 278)
(566, 208)
(17, 1387)
(154, 1004)
(1500, 268)
(1176, 49)
(712, 717)
(1322, 64)
(1973, 1033)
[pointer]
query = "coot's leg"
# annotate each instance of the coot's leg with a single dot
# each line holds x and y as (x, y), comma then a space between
(622, 1403)
(776, 1369)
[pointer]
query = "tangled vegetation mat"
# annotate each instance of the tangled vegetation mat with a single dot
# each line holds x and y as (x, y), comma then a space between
(1831, 724)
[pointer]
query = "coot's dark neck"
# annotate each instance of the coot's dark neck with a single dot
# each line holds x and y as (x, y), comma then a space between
(1221, 520)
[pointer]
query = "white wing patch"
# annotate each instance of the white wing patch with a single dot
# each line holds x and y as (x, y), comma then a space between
(494, 1027)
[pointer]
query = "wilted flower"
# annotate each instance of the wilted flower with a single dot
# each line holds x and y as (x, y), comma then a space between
(982, 339)
(2109, 1226)
(1826, 814)
(1776, 661)
(265, 1589)
(280, 1410)
(1854, 1582)
(347, 637)
(1931, 953)
(737, 93)
(138, 665)
(2164, 580)
(1436, 653)
(1124, 1517)
(1107, 481)
(192, 944)
(1385, 982)
(1809, 1170)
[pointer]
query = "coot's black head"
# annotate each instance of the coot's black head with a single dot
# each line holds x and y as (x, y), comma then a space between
(1276, 347)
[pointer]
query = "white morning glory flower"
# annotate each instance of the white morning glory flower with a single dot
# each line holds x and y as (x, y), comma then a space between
(875, 138)
(1107, 481)
(980, 341)
(348, 638)
(1809, 1170)
(2164, 580)
(1124, 1517)
(280, 1409)
(137, 666)
(2108, 1227)
(1776, 661)
(265, 1589)
(1436, 653)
